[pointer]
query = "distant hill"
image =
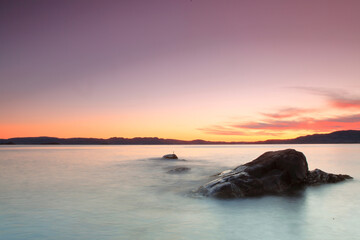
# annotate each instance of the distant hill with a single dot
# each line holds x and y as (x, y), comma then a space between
(349, 136)
(113, 141)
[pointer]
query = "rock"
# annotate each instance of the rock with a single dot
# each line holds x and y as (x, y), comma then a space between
(179, 170)
(170, 156)
(317, 176)
(271, 173)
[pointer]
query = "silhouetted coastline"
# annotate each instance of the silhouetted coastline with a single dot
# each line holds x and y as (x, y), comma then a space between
(348, 136)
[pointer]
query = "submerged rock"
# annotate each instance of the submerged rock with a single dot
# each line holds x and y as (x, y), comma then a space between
(317, 176)
(179, 170)
(170, 156)
(271, 173)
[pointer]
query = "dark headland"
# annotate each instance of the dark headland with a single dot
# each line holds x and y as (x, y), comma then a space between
(348, 136)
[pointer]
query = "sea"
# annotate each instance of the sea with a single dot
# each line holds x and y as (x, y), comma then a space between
(103, 192)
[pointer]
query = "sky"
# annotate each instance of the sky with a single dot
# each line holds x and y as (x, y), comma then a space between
(233, 70)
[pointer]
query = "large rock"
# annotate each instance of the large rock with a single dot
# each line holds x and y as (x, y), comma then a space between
(272, 173)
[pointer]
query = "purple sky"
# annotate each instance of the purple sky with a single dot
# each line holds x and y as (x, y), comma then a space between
(176, 69)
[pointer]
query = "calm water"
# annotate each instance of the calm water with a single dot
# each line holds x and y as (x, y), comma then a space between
(124, 192)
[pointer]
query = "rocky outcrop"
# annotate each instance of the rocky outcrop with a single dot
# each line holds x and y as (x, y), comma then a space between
(170, 156)
(316, 177)
(273, 172)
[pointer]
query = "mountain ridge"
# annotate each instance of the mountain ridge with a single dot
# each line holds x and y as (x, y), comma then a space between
(345, 136)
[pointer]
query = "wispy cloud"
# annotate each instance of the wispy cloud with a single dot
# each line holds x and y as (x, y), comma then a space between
(288, 113)
(337, 98)
(292, 119)
(344, 102)
(327, 124)
(276, 127)
(354, 118)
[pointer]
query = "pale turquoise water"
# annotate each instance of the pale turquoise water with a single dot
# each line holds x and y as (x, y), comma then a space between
(122, 192)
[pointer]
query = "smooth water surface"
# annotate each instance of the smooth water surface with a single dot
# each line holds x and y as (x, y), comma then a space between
(126, 192)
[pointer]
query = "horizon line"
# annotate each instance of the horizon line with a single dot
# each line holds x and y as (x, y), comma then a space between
(174, 139)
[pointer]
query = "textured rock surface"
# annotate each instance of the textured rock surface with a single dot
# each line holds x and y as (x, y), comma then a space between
(271, 173)
(317, 176)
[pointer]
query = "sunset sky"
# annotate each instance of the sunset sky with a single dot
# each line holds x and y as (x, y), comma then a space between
(201, 69)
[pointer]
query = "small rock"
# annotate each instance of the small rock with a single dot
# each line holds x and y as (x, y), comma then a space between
(170, 156)
(179, 170)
